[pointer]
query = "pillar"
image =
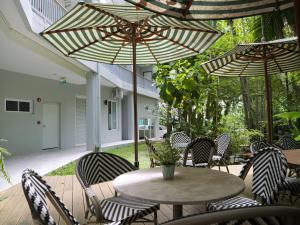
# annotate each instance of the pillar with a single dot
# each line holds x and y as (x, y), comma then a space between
(93, 110)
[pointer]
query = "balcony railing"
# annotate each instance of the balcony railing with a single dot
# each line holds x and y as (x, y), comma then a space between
(51, 10)
(126, 75)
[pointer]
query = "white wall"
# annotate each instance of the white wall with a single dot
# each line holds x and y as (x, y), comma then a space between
(127, 113)
(21, 129)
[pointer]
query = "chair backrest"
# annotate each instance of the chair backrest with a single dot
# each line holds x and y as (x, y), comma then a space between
(36, 190)
(151, 150)
(269, 172)
(257, 215)
(287, 142)
(179, 137)
(97, 167)
(257, 145)
(222, 143)
(201, 150)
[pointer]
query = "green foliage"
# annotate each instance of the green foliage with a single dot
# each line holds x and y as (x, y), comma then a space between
(3, 173)
(290, 119)
(167, 155)
(233, 125)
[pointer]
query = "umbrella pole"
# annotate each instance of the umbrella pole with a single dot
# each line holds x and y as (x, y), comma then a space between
(136, 156)
(268, 96)
(297, 19)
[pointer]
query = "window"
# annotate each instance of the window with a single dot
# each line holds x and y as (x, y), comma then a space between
(112, 115)
(17, 105)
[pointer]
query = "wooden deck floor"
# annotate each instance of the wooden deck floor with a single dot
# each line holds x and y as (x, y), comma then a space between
(14, 209)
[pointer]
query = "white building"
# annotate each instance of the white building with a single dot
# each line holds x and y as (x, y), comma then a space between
(50, 101)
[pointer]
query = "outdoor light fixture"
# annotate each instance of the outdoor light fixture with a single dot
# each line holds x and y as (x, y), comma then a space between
(105, 102)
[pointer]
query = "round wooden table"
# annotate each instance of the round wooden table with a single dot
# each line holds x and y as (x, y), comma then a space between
(293, 157)
(190, 186)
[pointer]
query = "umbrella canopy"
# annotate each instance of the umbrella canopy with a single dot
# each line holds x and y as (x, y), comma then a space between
(213, 9)
(256, 59)
(122, 34)
(90, 29)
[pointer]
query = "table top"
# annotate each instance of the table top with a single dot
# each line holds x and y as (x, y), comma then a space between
(190, 185)
(292, 156)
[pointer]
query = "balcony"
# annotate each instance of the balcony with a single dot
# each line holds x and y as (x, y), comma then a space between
(124, 74)
(46, 12)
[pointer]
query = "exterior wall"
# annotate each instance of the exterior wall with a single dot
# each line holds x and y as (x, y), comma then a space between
(110, 135)
(21, 129)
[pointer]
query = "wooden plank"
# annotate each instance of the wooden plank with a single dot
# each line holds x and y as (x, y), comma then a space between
(67, 197)
(11, 204)
(59, 190)
(78, 201)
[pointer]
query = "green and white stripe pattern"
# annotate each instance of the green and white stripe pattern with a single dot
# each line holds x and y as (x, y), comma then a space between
(247, 60)
(212, 9)
(103, 33)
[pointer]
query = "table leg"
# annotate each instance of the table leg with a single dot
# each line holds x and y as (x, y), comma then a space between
(177, 211)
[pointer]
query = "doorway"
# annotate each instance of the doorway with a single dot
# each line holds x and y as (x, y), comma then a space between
(51, 125)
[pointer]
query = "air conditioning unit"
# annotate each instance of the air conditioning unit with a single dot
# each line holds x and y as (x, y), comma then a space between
(117, 93)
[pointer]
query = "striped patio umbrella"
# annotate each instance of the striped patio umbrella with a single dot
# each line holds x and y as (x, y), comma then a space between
(256, 59)
(212, 9)
(122, 34)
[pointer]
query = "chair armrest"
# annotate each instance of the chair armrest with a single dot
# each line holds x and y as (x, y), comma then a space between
(89, 192)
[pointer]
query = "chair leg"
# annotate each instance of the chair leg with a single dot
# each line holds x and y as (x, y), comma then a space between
(155, 218)
(227, 168)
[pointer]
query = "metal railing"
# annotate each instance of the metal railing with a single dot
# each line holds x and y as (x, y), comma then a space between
(51, 10)
(126, 75)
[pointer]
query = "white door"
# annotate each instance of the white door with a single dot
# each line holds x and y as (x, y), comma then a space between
(50, 125)
(80, 121)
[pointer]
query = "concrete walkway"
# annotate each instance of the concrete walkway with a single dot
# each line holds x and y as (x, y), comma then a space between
(42, 162)
(46, 161)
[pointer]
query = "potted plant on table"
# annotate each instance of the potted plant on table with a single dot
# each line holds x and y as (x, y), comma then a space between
(168, 158)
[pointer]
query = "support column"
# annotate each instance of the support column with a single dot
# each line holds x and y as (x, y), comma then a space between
(93, 111)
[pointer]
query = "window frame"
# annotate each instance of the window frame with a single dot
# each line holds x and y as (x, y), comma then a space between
(18, 104)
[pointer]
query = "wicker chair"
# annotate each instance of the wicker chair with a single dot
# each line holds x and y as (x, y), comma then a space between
(269, 172)
(201, 151)
(287, 142)
(151, 150)
(36, 190)
(222, 143)
(257, 145)
(179, 138)
(98, 167)
(258, 215)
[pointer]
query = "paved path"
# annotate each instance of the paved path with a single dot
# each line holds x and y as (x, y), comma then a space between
(42, 162)
(46, 161)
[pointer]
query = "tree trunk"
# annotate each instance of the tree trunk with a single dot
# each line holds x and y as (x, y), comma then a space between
(169, 122)
(245, 89)
(247, 103)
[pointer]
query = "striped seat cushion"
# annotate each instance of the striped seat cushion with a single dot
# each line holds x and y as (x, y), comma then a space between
(126, 210)
(291, 184)
(216, 157)
(232, 203)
